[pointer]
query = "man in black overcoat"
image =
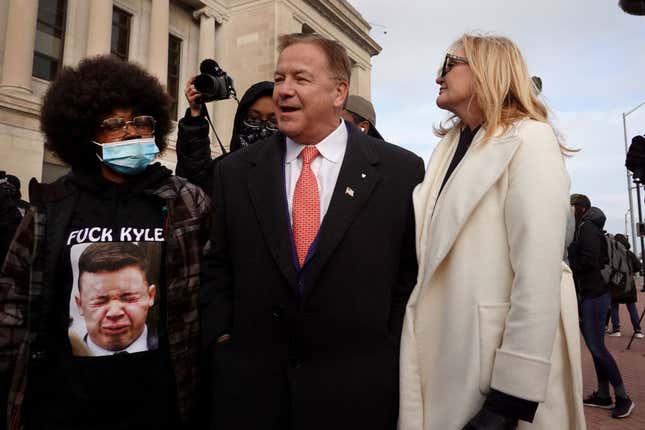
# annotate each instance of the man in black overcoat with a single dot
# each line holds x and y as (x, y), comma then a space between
(301, 327)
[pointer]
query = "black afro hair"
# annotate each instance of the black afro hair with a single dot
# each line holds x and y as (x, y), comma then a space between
(78, 100)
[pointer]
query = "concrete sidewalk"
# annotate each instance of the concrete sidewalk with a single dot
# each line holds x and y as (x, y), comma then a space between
(632, 367)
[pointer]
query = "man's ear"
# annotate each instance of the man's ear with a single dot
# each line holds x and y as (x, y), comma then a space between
(342, 92)
(152, 291)
(77, 299)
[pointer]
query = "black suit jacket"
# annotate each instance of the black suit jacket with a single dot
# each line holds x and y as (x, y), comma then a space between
(315, 348)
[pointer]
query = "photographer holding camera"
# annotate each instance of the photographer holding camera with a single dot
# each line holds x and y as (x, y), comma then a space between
(10, 214)
(254, 121)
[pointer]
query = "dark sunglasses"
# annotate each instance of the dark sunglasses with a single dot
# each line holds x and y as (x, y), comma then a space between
(451, 61)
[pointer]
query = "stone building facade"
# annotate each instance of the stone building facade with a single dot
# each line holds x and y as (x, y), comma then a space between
(169, 38)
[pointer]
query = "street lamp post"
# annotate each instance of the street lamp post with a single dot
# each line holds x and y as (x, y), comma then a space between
(640, 215)
(629, 182)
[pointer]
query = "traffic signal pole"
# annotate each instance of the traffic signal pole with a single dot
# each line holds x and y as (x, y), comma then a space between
(629, 189)
(629, 176)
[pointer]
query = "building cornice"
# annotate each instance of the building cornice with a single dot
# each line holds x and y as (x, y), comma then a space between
(347, 19)
(215, 11)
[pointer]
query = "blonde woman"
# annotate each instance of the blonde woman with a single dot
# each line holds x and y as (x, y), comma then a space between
(491, 339)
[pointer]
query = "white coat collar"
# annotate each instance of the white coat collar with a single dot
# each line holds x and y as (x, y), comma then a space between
(440, 217)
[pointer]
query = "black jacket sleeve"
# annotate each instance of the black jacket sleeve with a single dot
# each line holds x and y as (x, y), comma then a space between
(10, 218)
(584, 252)
(194, 160)
(216, 284)
(407, 276)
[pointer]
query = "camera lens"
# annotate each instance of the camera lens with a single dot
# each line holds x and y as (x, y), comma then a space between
(213, 83)
(211, 87)
(205, 84)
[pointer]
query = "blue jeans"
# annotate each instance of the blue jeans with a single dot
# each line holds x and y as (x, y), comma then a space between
(633, 315)
(594, 315)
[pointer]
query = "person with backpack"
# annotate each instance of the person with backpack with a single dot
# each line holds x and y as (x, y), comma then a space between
(588, 256)
(627, 295)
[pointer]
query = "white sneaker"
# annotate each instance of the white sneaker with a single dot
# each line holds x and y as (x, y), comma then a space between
(639, 335)
(615, 333)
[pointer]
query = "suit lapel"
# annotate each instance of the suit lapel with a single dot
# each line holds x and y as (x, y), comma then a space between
(474, 176)
(267, 191)
(357, 179)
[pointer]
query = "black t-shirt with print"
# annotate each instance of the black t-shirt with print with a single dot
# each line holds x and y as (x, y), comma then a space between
(109, 364)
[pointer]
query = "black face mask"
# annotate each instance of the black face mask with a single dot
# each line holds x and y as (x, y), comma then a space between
(252, 132)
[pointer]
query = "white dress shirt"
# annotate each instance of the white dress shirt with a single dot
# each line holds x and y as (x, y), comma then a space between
(325, 166)
(139, 345)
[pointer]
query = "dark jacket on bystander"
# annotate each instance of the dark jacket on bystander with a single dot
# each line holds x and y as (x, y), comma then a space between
(586, 255)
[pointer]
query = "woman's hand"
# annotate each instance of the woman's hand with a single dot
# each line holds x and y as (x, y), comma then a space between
(489, 420)
(192, 95)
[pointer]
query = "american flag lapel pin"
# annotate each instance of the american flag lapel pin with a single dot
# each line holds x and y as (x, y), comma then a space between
(349, 192)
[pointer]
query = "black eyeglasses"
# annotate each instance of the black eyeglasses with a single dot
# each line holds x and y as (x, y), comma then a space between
(451, 61)
(116, 127)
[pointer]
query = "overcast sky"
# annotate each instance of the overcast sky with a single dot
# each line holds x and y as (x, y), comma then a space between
(589, 53)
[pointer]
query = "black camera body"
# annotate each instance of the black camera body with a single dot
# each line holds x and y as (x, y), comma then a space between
(213, 82)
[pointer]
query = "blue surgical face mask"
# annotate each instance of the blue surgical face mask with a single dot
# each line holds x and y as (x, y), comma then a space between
(129, 157)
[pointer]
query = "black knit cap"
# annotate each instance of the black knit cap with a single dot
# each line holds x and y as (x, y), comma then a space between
(622, 239)
(580, 200)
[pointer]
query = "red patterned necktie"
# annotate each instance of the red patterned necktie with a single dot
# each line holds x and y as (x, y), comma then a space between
(306, 205)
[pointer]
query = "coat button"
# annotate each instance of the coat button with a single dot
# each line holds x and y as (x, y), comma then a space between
(277, 312)
(297, 363)
(37, 355)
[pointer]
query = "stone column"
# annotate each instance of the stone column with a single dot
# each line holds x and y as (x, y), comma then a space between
(20, 40)
(207, 24)
(99, 33)
(361, 83)
(158, 52)
(209, 18)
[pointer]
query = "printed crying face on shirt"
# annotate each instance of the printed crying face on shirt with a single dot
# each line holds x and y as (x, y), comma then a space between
(114, 298)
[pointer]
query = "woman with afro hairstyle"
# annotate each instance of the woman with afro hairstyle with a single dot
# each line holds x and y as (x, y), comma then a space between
(122, 351)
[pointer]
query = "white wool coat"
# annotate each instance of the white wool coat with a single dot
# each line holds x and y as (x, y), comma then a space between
(494, 305)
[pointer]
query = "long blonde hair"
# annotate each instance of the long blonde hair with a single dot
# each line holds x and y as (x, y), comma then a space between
(503, 88)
